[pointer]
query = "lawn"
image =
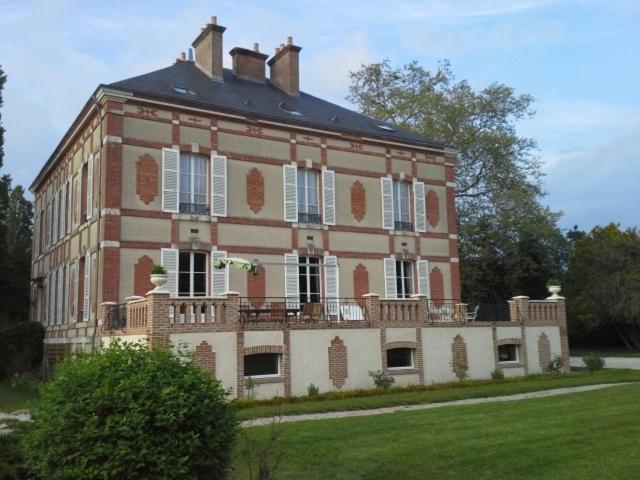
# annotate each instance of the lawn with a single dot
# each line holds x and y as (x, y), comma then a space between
(11, 400)
(590, 435)
(581, 352)
(434, 393)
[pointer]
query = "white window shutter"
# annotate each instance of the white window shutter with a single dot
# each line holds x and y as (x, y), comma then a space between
(54, 221)
(86, 305)
(219, 276)
(329, 197)
(170, 180)
(76, 289)
(419, 207)
(79, 197)
(67, 292)
(291, 285)
(290, 176)
(90, 186)
(423, 278)
(60, 282)
(390, 290)
(68, 205)
(386, 185)
(169, 260)
(218, 186)
(331, 284)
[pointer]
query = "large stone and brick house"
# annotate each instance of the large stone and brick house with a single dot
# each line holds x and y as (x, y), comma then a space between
(351, 222)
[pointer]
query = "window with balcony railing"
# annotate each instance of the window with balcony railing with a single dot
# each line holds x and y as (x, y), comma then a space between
(401, 212)
(193, 184)
(308, 211)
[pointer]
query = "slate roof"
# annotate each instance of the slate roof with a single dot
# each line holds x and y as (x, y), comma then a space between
(264, 100)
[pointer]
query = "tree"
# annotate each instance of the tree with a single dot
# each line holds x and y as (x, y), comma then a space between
(509, 243)
(129, 412)
(602, 285)
(16, 214)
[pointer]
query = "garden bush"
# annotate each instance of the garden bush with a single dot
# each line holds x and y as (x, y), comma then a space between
(497, 374)
(593, 362)
(382, 380)
(21, 348)
(128, 412)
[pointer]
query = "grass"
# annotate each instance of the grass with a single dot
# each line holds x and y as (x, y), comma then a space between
(16, 399)
(606, 352)
(428, 394)
(588, 435)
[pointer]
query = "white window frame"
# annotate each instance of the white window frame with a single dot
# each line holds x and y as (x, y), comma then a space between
(403, 275)
(270, 375)
(191, 274)
(307, 266)
(413, 359)
(509, 362)
(191, 159)
(399, 202)
(306, 173)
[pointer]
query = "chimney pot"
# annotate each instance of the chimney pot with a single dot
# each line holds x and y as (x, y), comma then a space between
(289, 40)
(277, 50)
(256, 47)
(183, 56)
(248, 64)
(214, 20)
(281, 46)
(285, 67)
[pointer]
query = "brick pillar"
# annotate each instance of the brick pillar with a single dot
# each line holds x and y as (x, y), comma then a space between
(564, 332)
(372, 307)
(519, 309)
(103, 311)
(157, 318)
(423, 307)
(286, 340)
(232, 309)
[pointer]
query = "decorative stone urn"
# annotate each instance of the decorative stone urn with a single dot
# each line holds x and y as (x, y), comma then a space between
(554, 290)
(159, 279)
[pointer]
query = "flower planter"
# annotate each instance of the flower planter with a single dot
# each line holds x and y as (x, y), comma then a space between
(554, 290)
(158, 280)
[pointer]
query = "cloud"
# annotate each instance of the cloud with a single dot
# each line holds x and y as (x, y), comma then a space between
(596, 185)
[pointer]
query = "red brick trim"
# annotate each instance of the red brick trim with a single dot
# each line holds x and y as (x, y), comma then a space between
(459, 359)
(358, 201)
(433, 208)
(255, 190)
(147, 175)
(263, 349)
(286, 364)
(205, 358)
(436, 282)
(360, 281)
(509, 341)
(544, 351)
(338, 371)
(419, 356)
(256, 286)
(401, 344)
(141, 276)
(129, 212)
(145, 245)
(240, 364)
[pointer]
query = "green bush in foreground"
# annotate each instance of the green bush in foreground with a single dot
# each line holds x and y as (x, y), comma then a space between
(128, 412)
(21, 348)
(593, 362)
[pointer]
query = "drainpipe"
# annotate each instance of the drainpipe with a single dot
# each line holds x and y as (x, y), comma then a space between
(102, 164)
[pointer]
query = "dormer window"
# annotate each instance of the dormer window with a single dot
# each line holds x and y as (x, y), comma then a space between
(184, 91)
(285, 108)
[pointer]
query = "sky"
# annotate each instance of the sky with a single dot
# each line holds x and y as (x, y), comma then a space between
(579, 58)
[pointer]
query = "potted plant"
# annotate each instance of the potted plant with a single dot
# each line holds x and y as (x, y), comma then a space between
(158, 276)
(554, 287)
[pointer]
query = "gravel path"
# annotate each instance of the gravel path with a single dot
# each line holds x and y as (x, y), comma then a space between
(425, 406)
(612, 362)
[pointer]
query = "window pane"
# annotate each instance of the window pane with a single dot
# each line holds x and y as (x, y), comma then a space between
(199, 262)
(184, 261)
(400, 358)
(508, 353)
(183, 284)
(199, 284)
(261, 364)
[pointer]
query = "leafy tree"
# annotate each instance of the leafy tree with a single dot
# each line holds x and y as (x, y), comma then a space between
(15, 242)
(602, 285)
(509, 243)
(129, 412)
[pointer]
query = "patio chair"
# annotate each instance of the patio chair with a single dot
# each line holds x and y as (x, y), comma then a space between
(278, 311)
(473, 314)
(351, 312)
(311, 311)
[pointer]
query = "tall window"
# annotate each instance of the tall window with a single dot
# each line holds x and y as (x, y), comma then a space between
(402, 215)
(404, 279)
(193, 184)
(308, 211)
(192, 274)
(309, 279)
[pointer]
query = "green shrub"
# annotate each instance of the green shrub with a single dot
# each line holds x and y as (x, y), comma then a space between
(497, 374)
(21, 348)
(312, 390)
(12, 455)
(158, 270)
(128, 412)
(593, 362)
(555, 365)
(381, 379)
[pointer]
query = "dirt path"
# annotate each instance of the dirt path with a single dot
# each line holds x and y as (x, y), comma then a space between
(425, 406)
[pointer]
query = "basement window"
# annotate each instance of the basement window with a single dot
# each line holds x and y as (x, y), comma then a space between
(262, 365)
(508, 353)
(399, 358)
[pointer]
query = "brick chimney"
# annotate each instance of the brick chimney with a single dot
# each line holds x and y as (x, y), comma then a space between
(249, 64)
(284, 66)
(208, 48)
